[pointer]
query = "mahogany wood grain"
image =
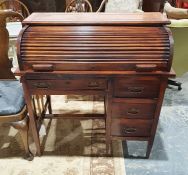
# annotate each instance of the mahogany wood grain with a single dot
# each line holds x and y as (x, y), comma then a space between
(126, 58)
(130, 127)
(163, 86)
(133, 108)
(96, 48)
(74, 116)
(5, 62)
(137, 87)
(96, 18)
(69, 84)
(60, 74)
(32, 117)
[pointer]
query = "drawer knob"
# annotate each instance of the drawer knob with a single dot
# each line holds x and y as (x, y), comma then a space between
(93, 84)
(133, 111)
(135, 89)
(67, 82)
(129, 130)
(41, 85)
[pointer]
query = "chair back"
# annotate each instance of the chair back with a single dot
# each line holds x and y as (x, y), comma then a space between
(16, 6)
(79, 6)
(5, 62)
(102, 5)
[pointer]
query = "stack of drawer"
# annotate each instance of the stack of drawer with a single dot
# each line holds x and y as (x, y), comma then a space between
(134, 105)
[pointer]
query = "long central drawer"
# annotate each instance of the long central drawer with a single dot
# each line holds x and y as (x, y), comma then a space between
(68, 84)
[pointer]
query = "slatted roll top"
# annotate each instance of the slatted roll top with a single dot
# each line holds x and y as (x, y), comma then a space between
(138, 46)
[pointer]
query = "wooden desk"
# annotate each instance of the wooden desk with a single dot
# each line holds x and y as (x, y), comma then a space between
(124, 57)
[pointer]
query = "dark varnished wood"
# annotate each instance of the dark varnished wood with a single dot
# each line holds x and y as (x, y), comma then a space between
(32, 117)
(5, 62)
(133, 108)
(137, 87)
(125, 58)
(74, 116)
(96, 18)
(59, 74)
(23, 127)
(69, 84)
(95, 48)
(19, 120)
(156, 116)
(129, 127)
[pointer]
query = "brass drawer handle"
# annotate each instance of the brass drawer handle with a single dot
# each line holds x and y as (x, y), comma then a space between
(133, 111)
(135, 89)
(41, 85)
(42, 67)
(146, 67)
(129, 130)
(93, 84)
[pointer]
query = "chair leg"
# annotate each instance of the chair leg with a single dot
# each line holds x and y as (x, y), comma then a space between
(175, 83)
(23, 127)
(49, 104)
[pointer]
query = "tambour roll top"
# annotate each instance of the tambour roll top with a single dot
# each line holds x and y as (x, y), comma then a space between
(132, 42)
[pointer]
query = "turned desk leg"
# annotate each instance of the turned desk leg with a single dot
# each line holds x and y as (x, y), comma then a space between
(33, 123)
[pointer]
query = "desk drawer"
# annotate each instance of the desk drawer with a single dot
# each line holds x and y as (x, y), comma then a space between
(133, 108)
(137, 87)
(129, 127)
(68, 84)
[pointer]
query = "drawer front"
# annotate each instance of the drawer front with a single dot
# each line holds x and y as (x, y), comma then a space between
(129, 127)
(137, 87)
(68, 84)
(133, 108)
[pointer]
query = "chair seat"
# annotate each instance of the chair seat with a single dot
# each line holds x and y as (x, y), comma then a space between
(11, 97)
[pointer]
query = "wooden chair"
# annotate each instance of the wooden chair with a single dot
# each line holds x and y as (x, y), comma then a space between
(79, 6)
(21, 8)
(16, 6)
(83, 6)
(102, 5)
(12, 105)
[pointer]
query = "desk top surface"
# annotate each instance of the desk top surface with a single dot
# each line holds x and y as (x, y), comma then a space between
(96, 19)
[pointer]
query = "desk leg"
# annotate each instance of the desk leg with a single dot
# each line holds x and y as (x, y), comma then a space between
(149, 147)
(33, 124)
(107, 123)
(108, 105)
(163, 86)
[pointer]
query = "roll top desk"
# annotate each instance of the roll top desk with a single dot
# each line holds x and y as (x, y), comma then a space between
(126, 58)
